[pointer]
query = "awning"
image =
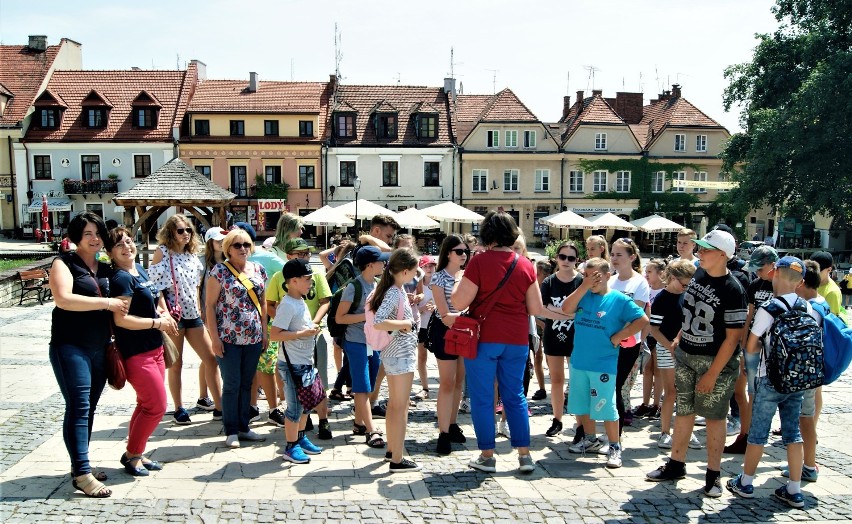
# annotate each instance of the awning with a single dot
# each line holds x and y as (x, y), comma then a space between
(53, 204)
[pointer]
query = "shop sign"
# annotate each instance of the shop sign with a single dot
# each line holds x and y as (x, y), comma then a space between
(271, 205)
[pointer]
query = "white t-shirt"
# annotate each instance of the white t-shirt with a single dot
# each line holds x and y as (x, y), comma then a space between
(425, 315)
(763, 322)
(635, 287)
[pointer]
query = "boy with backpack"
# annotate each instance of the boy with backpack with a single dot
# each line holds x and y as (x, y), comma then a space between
(791, 341)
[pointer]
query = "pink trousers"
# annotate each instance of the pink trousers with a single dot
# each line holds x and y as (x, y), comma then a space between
(146, 372)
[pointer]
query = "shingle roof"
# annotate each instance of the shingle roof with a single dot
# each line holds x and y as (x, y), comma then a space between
(22, 72)
(124, 89)
(232, 96)
(504, 106)
(672, 112)
(594, 110)
(175, 181)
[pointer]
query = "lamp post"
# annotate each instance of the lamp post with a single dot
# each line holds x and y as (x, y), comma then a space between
(357, 186)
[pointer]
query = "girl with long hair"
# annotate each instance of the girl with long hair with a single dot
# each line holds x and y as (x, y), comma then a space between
(654, 270)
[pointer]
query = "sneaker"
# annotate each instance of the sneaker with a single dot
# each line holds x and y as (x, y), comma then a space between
(205, 403)
(808, 475)
(378, 411)
(614, 457)
(796, 500)
(604, 449)
(735, 486)
(628, 419)
(587, 445)
(715, 490)
(776, 432)
(700, 421)
(503, 429)
(254, 414)
(555, 428)
(308, 447)
(738, 446)
(324, 432)
(456, 434)
(487, 464)
(296, 455)
(217, 414)
(182, 417)
(665, 472)
(642, 411)
(733, 427)
(232, 441)
(251, 436)
(665, 441)
(444, 446)
(525, 464)
(499, 408)
(388, 456)
(276, 417)
(694, 443)
(656, 414)
(260, 393)
(579, 434)
(539, 395)
(464, 407)
(404, 466)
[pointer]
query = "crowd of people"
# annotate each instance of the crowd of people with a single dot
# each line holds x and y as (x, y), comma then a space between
(257, 317)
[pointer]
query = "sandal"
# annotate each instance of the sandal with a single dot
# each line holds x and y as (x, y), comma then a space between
(358, 429)
(92, 487)
(375, 440)
(335, 394)
(100, 475)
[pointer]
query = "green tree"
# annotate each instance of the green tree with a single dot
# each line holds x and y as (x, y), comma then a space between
(796, 95)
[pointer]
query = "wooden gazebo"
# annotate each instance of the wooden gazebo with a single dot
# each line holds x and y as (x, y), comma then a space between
(175, 184)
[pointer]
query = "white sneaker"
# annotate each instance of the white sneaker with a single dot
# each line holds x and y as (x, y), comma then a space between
(464, 407)
(700, 421)
(232, 441)
(665, 441)
(587, 445)
(604, 449)
(694, 443)
(503, 429)
(733, 427)
(614, 457)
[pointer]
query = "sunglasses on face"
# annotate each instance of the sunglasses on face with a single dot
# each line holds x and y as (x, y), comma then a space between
(460, 252)
(182, 230)
(302, 254)
(566, 258)
(244, 245)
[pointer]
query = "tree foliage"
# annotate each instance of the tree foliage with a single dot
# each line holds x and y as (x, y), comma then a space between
(796, 95)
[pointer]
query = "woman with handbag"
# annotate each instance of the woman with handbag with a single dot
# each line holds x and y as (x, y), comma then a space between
(452, 258)
(79, 334)
(236, 314)
(501, 289)
(139, 338)
(176, 270)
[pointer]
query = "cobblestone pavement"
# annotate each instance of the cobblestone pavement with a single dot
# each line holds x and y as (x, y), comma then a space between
(205, 482)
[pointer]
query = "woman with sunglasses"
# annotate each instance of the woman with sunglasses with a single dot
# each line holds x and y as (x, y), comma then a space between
(176, 266)
(452, 259)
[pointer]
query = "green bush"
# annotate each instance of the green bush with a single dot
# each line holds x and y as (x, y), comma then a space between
(550, 248)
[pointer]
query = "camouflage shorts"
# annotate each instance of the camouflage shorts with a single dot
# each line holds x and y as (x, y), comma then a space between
(268, 359)
(688, 371)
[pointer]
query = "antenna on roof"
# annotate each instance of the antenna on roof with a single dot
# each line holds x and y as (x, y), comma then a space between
(641, 85)
(591, 80)
(493, 80)
(177, 62)
(657, 73)
(398, 78)
(338, 57)
(568, 83)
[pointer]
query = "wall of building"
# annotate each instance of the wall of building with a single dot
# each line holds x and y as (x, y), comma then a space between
(620, 140)
(220, 123)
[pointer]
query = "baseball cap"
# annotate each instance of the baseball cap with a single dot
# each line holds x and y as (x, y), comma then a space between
(723, 227)
(214, 233)
(793, 263)
(245, 226)
(824, 259)
(296, 268)
(296, 244)
(267, 244)
(368, 254)
(718, 239)
(425, 260)
(761, 256)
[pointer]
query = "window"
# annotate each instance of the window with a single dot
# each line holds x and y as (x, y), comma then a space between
(493, 139)
(678, 175)
(306, 177)
(575, 182)
(270, 128)
(42, 167)
(600, 141)
(347, 173)
(431, 170)
(529, 139)
(306, 128)
(96, 117)
(202, 127)
(145, 117)
(91, 166)
(599, 181)
(386, 126)
(511, 139)
(622, 181)
(542, 180)
(49, 118)
(658, 182)
(345, 125)
(205, 171)
(700, 176)
(239, 182)
(480, 180)
(680, 143)
(238, 127)
(428, 126)
(510, 179)
(272, 174)
(701, 143)
(141, 166)
(390, 173)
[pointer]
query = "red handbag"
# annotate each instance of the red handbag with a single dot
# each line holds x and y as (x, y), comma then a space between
(116, 375)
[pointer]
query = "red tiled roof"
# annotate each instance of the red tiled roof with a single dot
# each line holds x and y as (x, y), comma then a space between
(232, 96)
(21, 72)
(48, 98)
(594, 110)
(168, 89)
(504, 106)
(95, 99)
(672, 112)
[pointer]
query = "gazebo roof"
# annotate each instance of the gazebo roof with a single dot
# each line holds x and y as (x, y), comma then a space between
(175, 183)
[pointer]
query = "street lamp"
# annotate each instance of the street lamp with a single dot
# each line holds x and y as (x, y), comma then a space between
(357, 186)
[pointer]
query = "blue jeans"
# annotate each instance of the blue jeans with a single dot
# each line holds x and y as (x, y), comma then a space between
(766, 401)
(362, 368)
(506, 363)
(81, 374)
(295, 409)
(238, 367)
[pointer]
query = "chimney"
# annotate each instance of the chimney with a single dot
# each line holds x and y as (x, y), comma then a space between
(675, 90)
(450, 86)
(566, 105)
(597, 92)
(665, 95)
(580, 98)
(201, 67)
(38, 43)
(253, 82)
(629, 107)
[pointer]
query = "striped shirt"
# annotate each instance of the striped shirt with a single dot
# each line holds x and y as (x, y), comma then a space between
(402, 345)
(446, 281)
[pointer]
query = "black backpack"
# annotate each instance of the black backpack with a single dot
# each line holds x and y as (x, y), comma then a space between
(794, 358)
(335, 329)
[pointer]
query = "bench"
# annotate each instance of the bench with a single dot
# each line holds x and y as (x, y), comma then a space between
(34, 281)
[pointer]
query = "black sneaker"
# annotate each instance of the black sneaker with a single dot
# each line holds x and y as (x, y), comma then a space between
(324, 432)
(217, 414)
(642, 411)
(254, 414)
(309, 424)
(456, 434)
(539, 395)
(444, 446)
(276, 417)
(388, 456)
(404, 465)
(555, 428)
(205, 403)
(665, 472)
(378, 411)
(182, 417)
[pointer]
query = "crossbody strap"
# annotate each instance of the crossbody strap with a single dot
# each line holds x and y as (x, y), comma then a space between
(496, 293)
(247, 284)
(174, 280)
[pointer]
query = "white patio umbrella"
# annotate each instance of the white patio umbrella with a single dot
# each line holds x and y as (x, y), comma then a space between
(452, 212)
(327, 216)
(366, 209)
(656, 224)
(610, 221)
(567, 220)
(413, 218)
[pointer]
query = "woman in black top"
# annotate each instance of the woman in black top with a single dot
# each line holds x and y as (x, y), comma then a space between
(79, 334)
(138, 337)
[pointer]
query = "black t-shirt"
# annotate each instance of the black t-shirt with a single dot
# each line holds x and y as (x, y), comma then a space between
(666, 313)
(710, 306)
(86, 329)
(559, 332)
(143, 304)
(759, 292)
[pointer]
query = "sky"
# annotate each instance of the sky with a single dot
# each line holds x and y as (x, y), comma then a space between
(541, 49)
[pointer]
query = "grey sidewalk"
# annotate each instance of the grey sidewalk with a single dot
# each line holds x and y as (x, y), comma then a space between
(205, 482)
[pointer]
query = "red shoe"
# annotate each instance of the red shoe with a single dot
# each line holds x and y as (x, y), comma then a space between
(738, 446)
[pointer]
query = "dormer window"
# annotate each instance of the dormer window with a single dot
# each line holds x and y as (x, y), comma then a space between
(95, 110)
(344, 125)
(146, 108)
(386, 125)
(49, 117)
(427, 126)
(48, 110)
(96, 117)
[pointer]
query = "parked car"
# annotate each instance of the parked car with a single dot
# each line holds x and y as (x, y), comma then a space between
(745, 248)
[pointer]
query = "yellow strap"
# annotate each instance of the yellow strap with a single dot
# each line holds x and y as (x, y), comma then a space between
(248, 285)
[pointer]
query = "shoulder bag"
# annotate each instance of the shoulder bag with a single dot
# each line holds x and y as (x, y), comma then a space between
(175, 310)
(244, 280)
(115, 372)
(309, 396)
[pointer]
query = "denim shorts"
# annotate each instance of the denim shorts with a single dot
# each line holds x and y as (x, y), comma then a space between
(751, 362)
(688, 371)
(809, 403)
(592, 393)
(189, 323)
(294, 409)
(766, 402)
(399, 365)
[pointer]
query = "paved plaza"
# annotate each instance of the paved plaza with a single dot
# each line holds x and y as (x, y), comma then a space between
(203, 481)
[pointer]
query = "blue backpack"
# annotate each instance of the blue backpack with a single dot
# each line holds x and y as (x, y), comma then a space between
(794, 358)
(837, 343)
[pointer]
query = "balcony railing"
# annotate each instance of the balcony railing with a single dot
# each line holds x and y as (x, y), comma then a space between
(89, 187)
